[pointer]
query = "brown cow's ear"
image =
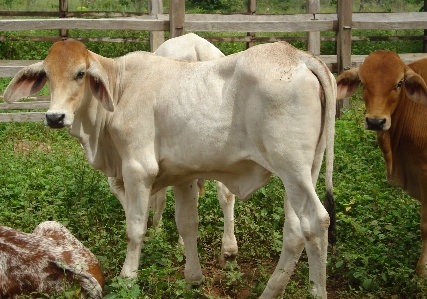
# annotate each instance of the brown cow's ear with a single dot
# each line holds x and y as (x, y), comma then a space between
(415, 87)
(99, 85)
(26, 82)
(347, 83)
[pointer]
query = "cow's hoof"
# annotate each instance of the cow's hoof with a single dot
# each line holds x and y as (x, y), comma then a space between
(226, 259)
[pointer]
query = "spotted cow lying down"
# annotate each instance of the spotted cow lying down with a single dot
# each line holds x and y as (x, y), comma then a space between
(46, 261)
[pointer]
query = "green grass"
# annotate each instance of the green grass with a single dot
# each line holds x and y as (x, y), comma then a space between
(377, 225)
(45, 176)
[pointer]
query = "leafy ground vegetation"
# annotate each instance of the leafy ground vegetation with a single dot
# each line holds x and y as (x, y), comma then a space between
(45, 176)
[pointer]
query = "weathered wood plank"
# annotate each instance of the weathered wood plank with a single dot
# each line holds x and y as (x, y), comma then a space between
(313, 37)
(137, 23)
(260, 23)
(25, 105)
(344, 35)
(53, 39)
(157, 38)
(389, 21)
(22, 117)
(70, 14)
(177, 18)
(9, 68)
(229, 23)
(357, 60)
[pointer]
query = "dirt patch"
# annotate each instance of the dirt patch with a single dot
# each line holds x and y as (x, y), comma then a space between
(24, 146)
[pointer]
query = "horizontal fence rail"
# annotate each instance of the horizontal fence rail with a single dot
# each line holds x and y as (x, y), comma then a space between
(229, 23)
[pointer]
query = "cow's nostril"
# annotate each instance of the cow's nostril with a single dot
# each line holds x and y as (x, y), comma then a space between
(375, 123)
(55, 120)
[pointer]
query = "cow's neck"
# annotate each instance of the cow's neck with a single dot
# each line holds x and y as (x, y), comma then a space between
(405, 137)
(90, 126)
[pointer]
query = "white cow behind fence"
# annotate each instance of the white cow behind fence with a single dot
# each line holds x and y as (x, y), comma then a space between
(154, 122)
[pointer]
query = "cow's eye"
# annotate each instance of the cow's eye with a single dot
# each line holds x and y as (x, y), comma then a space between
(399, 85)
(80, 75)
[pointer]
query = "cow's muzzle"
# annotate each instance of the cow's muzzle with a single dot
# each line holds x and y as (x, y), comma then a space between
(376, 124)
(55, 120)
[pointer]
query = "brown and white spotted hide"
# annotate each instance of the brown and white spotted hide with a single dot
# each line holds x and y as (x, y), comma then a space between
(46, 261)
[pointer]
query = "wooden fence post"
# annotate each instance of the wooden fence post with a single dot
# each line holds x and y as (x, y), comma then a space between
(313, 38)
(155, 7)
(63, 9)
(251, 11)
(344, 13)
(176, 17)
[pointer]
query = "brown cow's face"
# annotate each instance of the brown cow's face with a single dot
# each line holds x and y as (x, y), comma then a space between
(385, 80)
(66, 67)
(382, 77)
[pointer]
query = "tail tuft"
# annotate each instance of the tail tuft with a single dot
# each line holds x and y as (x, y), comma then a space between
(330, 208)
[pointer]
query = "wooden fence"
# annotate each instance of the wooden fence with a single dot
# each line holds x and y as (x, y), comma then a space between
(177, 22)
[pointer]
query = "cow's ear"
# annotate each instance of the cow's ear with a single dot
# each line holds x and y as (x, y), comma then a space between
(347, 83)
(415, 87)
(26, 82)
(100, 86)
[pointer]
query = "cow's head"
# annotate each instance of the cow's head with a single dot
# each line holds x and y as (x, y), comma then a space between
(73, 74)
(385, 79)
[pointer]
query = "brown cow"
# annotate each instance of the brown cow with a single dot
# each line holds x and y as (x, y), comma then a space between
(392, 92)
(46, 261)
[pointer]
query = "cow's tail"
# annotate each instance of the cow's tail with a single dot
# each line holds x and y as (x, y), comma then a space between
(327, 80)
(89, 284)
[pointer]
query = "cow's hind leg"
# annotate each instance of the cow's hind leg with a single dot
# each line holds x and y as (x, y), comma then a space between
(313, 221)
(293, 244)
(229, 246)
(187, 220)
(158, 204)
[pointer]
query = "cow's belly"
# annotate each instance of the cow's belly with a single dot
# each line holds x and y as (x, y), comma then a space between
(242, 178)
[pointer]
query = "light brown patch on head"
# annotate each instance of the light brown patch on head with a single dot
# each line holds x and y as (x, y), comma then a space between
(381, 75)
(65, 55)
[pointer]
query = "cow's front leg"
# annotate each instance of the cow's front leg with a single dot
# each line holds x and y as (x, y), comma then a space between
(229, 246)
(187, 221)
(422, 262)
(137, 194)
